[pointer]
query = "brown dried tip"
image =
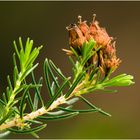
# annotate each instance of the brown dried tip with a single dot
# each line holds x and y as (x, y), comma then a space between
(80, 19)
(68, 52)
(94, 16)
(113, 63)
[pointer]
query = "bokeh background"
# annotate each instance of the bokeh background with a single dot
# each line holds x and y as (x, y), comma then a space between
(45, 23)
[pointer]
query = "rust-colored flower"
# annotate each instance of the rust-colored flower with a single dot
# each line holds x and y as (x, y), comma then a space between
(105, 58)
(82, 32)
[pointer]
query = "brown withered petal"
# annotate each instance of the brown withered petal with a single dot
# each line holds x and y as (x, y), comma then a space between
(95, 59)
(102, 64)
(85, 30)
(99, 34)
(68, 52)
(108, 59)
(94, 27)
(102, 70)
(83, 27)
(110, 50)
(113, 63)
(76, 38)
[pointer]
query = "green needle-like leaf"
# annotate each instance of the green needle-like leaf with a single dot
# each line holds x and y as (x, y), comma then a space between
(2, 110)
(37, 88)
(47, 79)
(57, 70)
(22, 103)
(72, 101)
(29, 99)
(53, 77)
(94, 107)
(6, 117)
(4, 98)
(92, 74)
(8, 93)
(74, 52)
(120, 80)
(15, 75)
(34, 135)
(20, 42)
(9, 82)
(27, 131)
(28, 71)
(16, 49)
(65, 116)
(58, 92)
(36, 100)
(77, 81)
(28, 48)
(80, 111)
(35, 121)
(88, 47)
(4, 134)
(2, 102)
(60, 112)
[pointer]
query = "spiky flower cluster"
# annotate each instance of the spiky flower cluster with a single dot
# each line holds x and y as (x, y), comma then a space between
(105, 58)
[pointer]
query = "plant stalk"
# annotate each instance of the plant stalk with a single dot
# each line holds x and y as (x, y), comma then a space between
(18, 122)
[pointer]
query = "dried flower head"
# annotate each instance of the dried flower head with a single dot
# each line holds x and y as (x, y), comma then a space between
(105, 58)
(82, 32)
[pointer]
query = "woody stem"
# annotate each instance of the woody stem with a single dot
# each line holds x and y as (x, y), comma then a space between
(18, 122)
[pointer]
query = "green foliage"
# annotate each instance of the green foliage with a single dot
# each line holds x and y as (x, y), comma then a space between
(58, 117)
(23, 99)
(18, 90)
(28, 130)
(26, 59)
(120, 80)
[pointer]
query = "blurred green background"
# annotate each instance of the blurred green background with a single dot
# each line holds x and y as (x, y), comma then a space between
(45, 23)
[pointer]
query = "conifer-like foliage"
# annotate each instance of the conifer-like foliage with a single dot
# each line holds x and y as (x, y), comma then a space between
(93, 57)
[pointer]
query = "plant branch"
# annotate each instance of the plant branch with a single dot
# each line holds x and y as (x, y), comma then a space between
(93, 58)
(18, 122)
